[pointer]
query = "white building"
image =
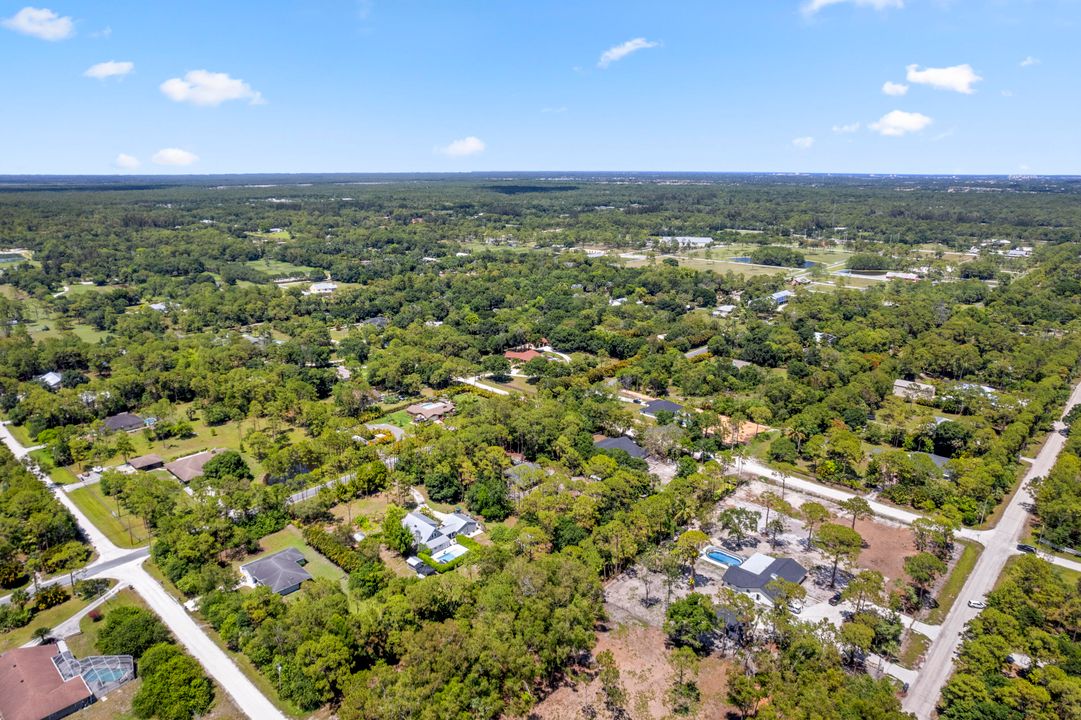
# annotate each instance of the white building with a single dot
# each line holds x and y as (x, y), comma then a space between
(322, 288)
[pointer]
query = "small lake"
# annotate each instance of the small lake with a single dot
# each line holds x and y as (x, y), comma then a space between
(806, 263)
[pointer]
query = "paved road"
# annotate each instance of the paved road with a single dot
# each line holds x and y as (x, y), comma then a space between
(478, 384)
(126, 566)
(907, 517)
(999, 545)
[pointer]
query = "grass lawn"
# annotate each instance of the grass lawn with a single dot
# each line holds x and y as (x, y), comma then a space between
(400, 419)
(514, 384)
(47, 618)
(290, 537)
(102, 512)
(970, 553)
(914, 647)
(279, 267)
(59, 475)
(118, 703)
(372, 507)
(21, 434)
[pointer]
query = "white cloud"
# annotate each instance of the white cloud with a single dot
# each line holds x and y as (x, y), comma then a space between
(173, 156)
(803, 143)
(958, 78)
(108, 69)
(812, 6)
(895, 89)
(1030, 61)
(40, 23)
(126, 162)
(847, 128)
(465, 146)
(614, 54)
(201, 87)
(899, 122)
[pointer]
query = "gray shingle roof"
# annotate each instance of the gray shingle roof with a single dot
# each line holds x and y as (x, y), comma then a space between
(783, 568)
(622, 443)
(280, 571)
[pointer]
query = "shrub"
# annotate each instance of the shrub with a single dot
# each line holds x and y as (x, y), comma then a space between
(130, 631)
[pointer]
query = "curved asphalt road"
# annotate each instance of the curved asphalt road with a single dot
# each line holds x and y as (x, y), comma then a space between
(127, 567)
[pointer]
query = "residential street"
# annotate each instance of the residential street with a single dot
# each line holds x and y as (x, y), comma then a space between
(126, 566)
(999, 545)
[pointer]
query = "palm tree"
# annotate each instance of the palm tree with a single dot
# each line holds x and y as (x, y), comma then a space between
(42, 634)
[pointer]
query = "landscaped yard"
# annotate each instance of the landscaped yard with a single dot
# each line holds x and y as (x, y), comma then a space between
(120, 526)
(47, 618)
(400, 419)
(318, 566)
(118, 703)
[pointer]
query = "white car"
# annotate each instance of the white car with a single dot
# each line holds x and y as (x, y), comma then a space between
(977, 604)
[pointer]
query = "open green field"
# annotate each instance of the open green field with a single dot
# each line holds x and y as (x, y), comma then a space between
(290, 537)
(514, 384)
(280, 267)
(124, 529)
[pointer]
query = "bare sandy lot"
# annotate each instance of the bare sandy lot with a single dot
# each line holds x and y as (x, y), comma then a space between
(646, 675)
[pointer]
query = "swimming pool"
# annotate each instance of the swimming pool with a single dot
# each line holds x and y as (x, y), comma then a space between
(717, 556)
(453, 552)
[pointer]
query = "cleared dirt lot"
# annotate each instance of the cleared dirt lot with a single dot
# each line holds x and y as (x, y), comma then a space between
(646, 675)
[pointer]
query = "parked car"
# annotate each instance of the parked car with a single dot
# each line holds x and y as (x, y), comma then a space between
(836, 599)
(795, 606)
(977, 604)
(1026, 548)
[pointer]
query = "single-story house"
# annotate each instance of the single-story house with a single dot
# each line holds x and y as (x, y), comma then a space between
(622, 443)
(754, 576)
(189, 467)
(282, 572)
(159, 307)
(724, 310)
(418, 566)
(522, 356)
(146, 462)
(378, 322)
(435, 534)
(422, 412)
(42, 683)
(124, 422)
(51, 380)
(911, 390)
(653, 407)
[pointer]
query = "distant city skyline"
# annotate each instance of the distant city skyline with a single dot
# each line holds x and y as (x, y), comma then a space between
(830, 86)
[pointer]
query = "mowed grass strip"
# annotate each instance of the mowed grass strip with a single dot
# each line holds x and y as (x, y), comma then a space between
(125, 530)
(952, 587)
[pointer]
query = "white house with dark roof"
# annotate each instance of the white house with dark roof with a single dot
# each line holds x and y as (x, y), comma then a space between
(754, 577)
(435, 535)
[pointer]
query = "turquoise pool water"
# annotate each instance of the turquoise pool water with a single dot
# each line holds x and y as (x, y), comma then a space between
(719, 556)
(451, 553)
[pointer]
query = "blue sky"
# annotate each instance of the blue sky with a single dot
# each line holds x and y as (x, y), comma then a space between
(205, 86)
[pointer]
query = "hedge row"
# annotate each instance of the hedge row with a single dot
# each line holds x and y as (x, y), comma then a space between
(333, 549)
